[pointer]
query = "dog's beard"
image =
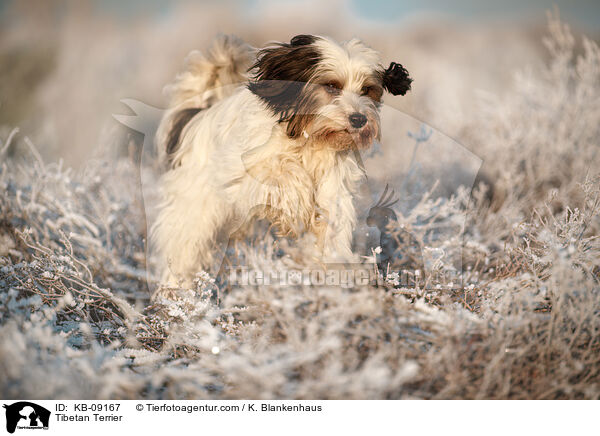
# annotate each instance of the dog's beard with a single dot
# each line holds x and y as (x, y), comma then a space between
(341, 138)
(345, 140)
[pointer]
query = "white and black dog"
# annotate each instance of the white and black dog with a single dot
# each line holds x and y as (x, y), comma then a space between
(269, 127)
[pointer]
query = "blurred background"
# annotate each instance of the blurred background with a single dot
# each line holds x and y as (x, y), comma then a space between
(65, 65)
(518, 90)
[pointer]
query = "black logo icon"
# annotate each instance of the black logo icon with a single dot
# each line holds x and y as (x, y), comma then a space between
(26, 415)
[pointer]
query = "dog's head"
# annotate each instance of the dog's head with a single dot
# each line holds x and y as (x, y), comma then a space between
(327, 91)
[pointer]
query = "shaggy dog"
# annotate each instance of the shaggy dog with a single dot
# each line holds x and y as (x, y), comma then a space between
(274, 128)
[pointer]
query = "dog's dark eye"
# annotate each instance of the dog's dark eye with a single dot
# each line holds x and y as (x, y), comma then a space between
(333, 87)
(373, 92)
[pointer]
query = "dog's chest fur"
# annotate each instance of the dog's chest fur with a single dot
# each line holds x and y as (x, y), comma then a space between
(302, 182)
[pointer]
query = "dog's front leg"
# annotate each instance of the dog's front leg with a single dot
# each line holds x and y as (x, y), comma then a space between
(335, 224)
(286, 192)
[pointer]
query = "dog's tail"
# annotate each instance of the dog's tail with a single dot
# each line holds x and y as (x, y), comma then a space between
(205, 81)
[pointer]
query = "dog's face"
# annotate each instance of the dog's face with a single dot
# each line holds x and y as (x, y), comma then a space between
(326, 91)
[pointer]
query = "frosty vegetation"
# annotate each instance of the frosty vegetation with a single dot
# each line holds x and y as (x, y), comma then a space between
(76, 319)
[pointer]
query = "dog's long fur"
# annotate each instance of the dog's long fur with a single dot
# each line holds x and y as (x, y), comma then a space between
(278, 137)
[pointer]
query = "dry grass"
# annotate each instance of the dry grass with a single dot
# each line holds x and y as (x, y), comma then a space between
(525, 323)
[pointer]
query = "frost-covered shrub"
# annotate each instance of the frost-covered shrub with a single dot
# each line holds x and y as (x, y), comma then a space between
(523, 323)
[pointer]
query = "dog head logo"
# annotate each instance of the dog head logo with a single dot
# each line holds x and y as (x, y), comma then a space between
(311, 159)
(26, 415)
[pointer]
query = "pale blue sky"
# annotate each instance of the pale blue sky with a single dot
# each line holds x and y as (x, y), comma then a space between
(581, 13)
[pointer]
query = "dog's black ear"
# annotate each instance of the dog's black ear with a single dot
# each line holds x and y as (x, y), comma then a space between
(396, 80)
(299, 40)
(281, 72)
(295, 61)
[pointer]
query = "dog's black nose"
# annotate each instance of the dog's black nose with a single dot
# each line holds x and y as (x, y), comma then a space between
(357, 120)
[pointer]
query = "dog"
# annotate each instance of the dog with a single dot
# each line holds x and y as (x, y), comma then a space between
(274, 127)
